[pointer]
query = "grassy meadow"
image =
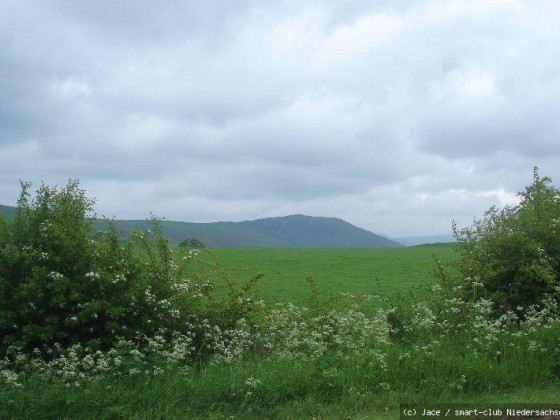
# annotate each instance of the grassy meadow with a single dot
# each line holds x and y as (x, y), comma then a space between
(371, 271)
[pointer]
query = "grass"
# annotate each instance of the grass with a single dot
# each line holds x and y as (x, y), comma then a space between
(328, 388)
(384, 271)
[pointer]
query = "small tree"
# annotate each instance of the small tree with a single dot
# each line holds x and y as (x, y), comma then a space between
(513, 254)
(192, 243)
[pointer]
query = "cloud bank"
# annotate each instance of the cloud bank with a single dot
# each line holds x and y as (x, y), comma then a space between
(396, 116)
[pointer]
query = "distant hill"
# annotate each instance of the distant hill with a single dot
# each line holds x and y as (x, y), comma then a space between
(420, 240)
(296, 231)
(7, 211)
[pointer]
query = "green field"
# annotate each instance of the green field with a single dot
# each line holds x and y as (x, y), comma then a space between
(372, 271)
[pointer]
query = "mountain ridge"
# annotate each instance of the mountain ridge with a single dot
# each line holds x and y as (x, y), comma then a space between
(293, 231)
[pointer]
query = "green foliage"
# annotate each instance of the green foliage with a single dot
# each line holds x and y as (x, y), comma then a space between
(62, 282)
(42, 250)
(512, 255)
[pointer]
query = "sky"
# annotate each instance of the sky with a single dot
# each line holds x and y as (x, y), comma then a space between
(397, 116)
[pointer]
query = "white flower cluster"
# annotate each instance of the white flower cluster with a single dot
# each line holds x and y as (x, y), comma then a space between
(293, 333)
(9, 377)
(55, 276)
(92, 276)
(119, 278)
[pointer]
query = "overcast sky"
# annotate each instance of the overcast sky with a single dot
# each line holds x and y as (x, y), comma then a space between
(396, 116)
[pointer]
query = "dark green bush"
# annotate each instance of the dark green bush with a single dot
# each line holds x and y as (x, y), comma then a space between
(192, 243)
(512, 255)
(62, 282)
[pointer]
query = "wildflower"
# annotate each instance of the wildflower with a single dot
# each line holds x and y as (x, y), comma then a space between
(252, 382)
(55, 276)
(119, 278)
(384, 386)
(9, 377)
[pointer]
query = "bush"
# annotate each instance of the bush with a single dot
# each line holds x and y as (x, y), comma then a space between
(512, 255)
(192, 243)
(62, 282)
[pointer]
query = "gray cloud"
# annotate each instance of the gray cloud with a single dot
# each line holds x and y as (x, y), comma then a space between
(396, 116)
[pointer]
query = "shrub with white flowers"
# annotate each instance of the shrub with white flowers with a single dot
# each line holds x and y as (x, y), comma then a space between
(63, 282)
(512, 255)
